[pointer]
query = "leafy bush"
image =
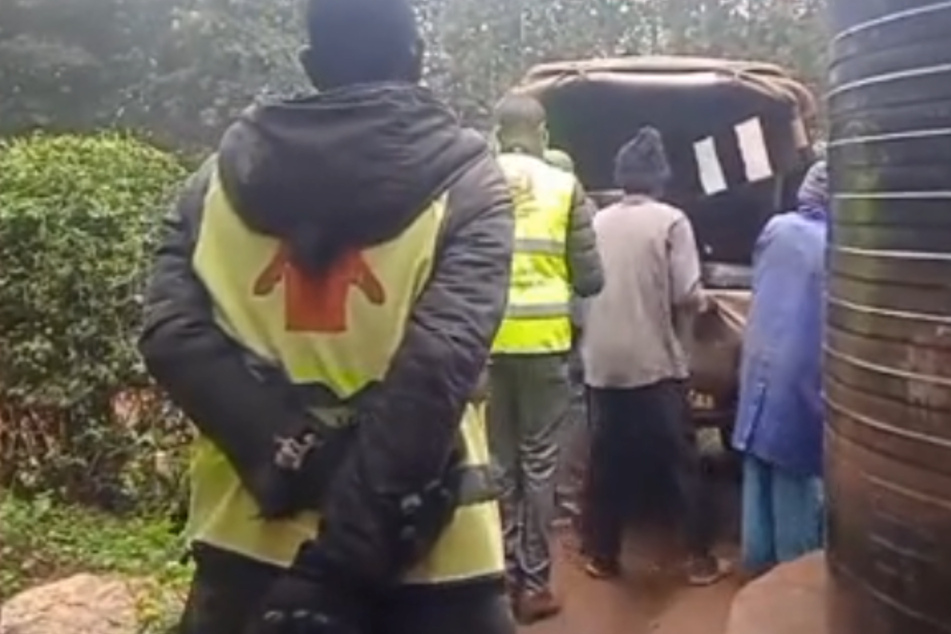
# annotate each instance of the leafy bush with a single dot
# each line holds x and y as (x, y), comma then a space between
(73, 539)
(78, 417)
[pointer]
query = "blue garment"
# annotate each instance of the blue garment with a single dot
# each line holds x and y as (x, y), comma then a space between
(782, 516)
(780, 411)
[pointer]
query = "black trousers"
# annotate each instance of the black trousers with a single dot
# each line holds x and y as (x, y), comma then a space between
(227, 591)
(643, 453)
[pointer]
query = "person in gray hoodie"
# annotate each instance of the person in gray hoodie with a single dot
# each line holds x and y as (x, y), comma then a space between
(636, 363)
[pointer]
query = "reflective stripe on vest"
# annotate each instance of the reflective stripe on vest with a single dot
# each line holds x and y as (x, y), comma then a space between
(537, 318)
(333, 335)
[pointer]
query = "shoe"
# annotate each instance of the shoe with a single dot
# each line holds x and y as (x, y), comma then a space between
(533, 607)
(602, 569)
(706, 571)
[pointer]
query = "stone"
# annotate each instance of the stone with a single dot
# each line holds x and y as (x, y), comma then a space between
(82, 604)
(789, 600)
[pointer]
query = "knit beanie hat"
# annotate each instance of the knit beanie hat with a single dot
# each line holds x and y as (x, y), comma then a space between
(362, 41)
(641, 166)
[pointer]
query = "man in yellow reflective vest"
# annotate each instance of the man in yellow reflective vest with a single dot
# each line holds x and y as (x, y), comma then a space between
(555, 255)
(322, 307)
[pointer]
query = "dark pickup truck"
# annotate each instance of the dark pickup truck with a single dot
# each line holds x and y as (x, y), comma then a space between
(737, 137)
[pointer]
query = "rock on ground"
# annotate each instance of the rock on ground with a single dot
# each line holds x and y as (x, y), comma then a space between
(83, 604)
(788, 600)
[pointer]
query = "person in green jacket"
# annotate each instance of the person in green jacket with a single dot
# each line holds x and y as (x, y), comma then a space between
(574, 443)
(560, 159)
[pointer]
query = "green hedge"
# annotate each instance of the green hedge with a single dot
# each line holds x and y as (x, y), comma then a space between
(78, 417)
(76, 539)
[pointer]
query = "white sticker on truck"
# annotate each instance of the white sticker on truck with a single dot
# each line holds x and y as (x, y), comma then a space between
(749, 136)
(708, 163)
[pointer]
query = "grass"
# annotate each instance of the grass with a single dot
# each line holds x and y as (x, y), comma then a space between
(43, 542)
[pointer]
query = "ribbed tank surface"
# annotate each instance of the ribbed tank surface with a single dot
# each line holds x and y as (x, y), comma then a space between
(888, 337)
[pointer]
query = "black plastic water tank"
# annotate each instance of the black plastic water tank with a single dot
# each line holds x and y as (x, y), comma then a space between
(888, 346)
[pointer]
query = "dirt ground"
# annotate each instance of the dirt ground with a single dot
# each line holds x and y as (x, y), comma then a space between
(651, 597)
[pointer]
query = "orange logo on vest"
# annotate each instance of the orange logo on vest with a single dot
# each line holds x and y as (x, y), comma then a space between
(319, 304)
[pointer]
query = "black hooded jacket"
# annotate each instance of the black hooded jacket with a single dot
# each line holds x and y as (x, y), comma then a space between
(347, 168)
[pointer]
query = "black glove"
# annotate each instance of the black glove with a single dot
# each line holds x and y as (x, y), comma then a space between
(302, 469)
(425, 515)
(312, 598)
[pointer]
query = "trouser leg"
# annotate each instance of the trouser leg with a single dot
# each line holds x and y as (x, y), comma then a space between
(480, 609)
(573, 441)
(228, 589)
(604, 508)
(585, 471)
(797, 505)
(226, 592)
(758, 524)
(545, 400)
(503, 432)
(693, 493)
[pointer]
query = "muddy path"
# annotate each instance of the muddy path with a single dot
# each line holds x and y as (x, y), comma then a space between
(651, 597)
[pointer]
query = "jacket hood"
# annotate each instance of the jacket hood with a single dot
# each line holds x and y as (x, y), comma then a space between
(814, 196)
(345, 169)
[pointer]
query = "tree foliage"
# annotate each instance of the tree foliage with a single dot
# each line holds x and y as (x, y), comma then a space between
(77, 415)
(182, 68)
(77, 218)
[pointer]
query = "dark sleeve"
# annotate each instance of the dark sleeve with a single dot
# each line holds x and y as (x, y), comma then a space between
(584, 261)
(202, 369)
(410, 426)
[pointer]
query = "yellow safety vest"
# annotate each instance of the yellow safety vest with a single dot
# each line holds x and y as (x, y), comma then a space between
(339, 333)
(537, 319)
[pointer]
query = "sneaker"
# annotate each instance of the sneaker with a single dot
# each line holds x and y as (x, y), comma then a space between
(706, 571)
(602, 569)
(536, 606)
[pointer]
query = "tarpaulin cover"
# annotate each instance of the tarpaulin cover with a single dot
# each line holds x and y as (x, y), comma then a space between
(718, 339)
(734, 134)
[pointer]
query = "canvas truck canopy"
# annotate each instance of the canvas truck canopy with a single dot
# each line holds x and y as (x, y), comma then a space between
(736, 137)
(735, 133)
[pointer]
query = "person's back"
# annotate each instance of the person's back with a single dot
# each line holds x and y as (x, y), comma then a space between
(631, 334)
(636, 367)
(298, 312)
(779, 426)
(781, 367)
(554, 255)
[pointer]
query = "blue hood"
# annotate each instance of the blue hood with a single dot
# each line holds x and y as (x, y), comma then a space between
(814, 195)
